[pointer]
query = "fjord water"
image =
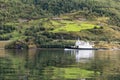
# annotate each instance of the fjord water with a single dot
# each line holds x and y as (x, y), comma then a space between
(57, 64)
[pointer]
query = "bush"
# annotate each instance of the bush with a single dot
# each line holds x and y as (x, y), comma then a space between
(56, 44)
(17, 45)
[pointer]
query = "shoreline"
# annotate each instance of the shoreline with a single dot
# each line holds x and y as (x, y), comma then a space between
(100, 45)
(60, 49)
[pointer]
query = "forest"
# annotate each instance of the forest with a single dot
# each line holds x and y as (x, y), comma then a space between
(54, 23)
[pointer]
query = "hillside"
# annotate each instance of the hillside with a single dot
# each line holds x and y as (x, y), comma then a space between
(55, 23)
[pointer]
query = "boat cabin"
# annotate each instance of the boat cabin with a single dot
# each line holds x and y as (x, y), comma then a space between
(83, 44)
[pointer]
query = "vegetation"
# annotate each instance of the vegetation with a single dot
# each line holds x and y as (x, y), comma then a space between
(5, 70)
(70, 73)
(41, 23)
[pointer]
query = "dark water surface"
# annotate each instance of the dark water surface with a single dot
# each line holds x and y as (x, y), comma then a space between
(57, 64)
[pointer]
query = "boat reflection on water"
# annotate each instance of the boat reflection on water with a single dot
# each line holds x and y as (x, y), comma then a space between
(82, 55)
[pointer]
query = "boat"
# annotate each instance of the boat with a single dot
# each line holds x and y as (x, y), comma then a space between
(82, 45)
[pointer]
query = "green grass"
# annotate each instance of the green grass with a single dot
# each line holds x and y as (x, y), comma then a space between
(75, 27)
(71, 25)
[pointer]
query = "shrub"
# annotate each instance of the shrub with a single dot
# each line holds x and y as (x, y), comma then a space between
(17, 45)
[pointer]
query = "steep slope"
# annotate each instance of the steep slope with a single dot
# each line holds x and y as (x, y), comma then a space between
(50, 21)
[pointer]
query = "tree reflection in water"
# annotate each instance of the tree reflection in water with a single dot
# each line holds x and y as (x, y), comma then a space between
(53, 64)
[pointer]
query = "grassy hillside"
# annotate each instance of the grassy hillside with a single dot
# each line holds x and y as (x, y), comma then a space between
(54, 23)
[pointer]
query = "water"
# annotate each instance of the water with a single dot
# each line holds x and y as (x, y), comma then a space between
(58, 64)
